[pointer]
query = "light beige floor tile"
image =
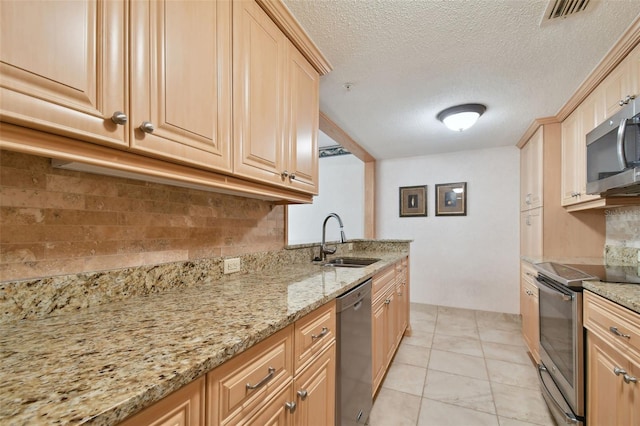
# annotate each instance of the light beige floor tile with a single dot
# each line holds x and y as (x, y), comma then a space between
(394, 408)
(434, 413)
(504, 421)
(509, 373)
(459, 390)
(457, 329)
(498, 321)
(526, 405)
(456, 312)
(423, 325)
(419, 338)
(463, 365)
(510, 353)
(405, 378)
(461, 345)
(423, 312)
(506, 337)
(412, 355)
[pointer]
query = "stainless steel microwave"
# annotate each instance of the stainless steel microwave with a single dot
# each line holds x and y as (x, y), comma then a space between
(613, 154)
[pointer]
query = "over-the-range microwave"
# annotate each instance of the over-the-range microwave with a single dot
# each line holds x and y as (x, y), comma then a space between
(613, 153)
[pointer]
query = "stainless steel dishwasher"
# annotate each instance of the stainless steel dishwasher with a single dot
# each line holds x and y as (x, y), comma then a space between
(354, 377)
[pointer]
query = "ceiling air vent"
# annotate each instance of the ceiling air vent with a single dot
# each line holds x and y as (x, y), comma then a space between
(562, 9)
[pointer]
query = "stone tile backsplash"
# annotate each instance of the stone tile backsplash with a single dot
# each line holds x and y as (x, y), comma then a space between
(623, 236)
(55, 222)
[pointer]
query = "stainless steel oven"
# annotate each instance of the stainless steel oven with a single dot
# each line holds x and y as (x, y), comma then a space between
(561, 371)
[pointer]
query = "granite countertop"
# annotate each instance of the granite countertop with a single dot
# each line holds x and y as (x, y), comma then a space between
(627, 295)
(104, 363)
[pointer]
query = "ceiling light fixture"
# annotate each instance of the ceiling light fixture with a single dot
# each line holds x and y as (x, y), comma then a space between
(461, 117)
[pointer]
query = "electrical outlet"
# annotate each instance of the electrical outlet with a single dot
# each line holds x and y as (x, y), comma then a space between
(231, 265)
(350, 246)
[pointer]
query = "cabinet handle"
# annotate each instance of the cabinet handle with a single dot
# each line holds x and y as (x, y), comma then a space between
(147, 127)
(528, 221)
(291, 406)
(263, 381)
(119, 117)
(621, 102)
(618, 371)
(615, 331)
(629, 379)
(302, 394)
(323, 333)
(292, 176)
(387, 301)
(284, 174)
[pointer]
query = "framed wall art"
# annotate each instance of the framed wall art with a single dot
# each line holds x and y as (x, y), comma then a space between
(413, 201)
(451, 199)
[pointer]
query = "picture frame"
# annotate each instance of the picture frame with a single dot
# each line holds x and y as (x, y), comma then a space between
(451, 199)
(413, 201)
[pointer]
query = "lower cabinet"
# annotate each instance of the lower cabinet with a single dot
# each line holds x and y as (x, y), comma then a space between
(390, 316)
(287, 379)
(529, 309)
(613, 362)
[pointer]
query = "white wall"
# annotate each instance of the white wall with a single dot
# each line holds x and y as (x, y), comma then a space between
(341, 191)
(463, 261)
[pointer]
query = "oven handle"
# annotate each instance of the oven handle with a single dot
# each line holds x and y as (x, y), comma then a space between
(570, 417)
(567, 297)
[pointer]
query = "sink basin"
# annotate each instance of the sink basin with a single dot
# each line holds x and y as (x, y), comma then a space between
(350, 262)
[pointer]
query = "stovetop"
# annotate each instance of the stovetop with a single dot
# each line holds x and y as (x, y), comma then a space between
(572, 275)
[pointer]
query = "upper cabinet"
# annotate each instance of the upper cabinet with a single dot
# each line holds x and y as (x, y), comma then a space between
(230, 87)
(531, 182)
(59, 73)
(276, 105)
(620, 86)
(181, 81)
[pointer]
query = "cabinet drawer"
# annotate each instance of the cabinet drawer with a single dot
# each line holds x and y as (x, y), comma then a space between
(382, 281)
(313, 333)
(241, 384)
(614, 323)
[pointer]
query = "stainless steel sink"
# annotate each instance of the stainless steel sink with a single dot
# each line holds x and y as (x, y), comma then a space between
(350, 262)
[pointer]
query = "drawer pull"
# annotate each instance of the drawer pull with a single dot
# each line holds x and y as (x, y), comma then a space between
(629, 379)
(615, 331)
(303, 394)
(291, 406)
(618, 371)
(323, 333)
(263, 381)
(386, 302)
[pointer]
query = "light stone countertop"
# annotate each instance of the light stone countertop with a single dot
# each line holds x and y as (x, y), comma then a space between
(627, 295)
(104, 363)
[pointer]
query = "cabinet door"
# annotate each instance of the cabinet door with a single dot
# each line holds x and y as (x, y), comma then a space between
(531, 186)
(184, 407)
(529, 309)
(380, 316)
(315, 391)
(57, 71)
(181, 81)
(531, 233)
(304, 87)
(273, 413)
(616, 86)
(259, 69)
(591, 114)
(570, 158)
(609, 398)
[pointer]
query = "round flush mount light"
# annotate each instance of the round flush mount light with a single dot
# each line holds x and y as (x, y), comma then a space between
(461, 117)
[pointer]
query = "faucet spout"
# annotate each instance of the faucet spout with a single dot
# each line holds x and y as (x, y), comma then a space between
(324, 250)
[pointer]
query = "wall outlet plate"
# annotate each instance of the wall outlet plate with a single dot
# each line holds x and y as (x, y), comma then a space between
(231, 265)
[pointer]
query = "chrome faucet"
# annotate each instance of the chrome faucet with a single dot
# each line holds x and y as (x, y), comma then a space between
(324, 250)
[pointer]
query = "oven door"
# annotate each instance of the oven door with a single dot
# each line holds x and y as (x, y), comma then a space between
(561, 340)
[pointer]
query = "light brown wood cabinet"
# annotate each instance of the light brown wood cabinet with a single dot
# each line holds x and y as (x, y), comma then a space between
(531, 233)
(276, 104)
(190, 83)
(531, 172)
(289, 378)
(58, 73)
(390, 317)
(613, 362)
(529, 308)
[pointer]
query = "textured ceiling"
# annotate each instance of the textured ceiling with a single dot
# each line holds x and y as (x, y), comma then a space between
(408, 60)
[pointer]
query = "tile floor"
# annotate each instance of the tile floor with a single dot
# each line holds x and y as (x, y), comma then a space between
(461, 368)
